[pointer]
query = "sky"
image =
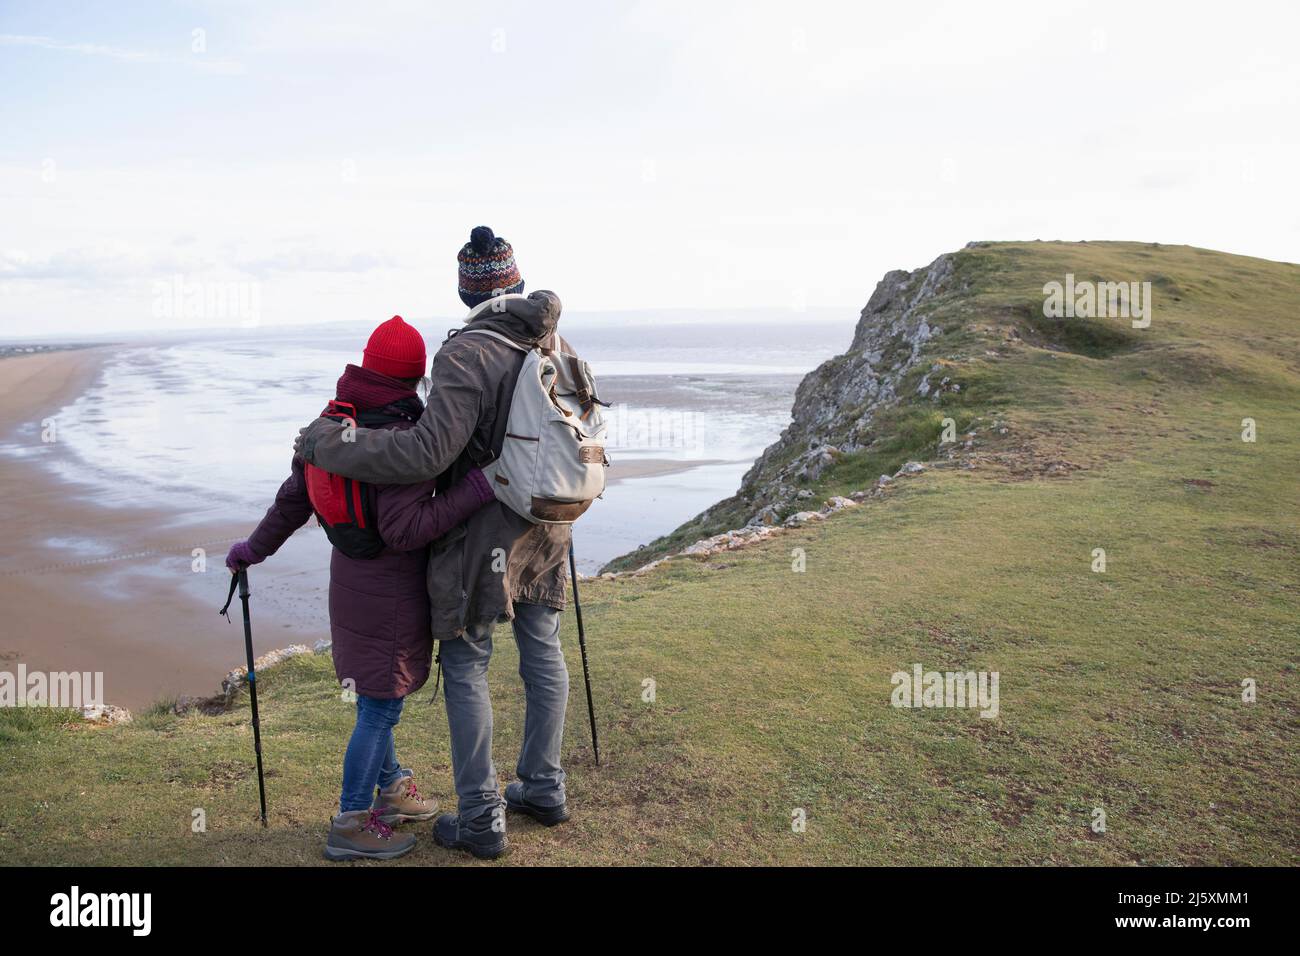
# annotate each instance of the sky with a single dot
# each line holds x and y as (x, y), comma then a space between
(210, 164)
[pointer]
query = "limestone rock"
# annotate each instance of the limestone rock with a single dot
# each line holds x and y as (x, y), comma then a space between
(106, 714)
(237, 678)
(802, 518)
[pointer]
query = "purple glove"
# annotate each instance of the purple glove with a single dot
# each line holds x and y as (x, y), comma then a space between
(241, 554)
(478, 481)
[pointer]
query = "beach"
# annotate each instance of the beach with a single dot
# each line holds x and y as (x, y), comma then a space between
(119, 516)
(113, 590)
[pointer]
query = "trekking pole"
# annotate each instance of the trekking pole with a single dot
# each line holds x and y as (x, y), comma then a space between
(240, 578)
(582, 646)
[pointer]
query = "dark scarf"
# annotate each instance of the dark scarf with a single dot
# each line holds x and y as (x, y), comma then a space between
(371, 391)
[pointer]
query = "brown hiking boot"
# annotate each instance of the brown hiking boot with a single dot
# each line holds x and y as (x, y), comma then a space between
(401, 802)
(362, 835)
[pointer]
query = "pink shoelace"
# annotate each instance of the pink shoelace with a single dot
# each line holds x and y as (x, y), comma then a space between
(412, 792)
(375, 824)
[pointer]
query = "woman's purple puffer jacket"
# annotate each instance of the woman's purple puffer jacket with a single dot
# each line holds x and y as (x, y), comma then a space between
(379, 608)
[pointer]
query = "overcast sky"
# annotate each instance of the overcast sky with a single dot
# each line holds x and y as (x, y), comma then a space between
(328, 160)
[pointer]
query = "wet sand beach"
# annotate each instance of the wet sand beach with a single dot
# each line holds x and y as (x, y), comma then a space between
(90, 588)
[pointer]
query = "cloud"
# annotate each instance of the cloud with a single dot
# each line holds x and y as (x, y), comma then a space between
(306, 260)
(198, 61)
(74, 265)
(109, 263)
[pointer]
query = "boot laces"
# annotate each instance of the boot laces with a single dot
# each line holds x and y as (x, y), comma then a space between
(413, 792)
(376, 825)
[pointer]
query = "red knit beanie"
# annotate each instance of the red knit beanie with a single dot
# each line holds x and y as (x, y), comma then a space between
(395, 349)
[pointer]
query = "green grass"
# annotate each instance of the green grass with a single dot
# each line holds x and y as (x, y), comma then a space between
(908, 432)
(1119, 690)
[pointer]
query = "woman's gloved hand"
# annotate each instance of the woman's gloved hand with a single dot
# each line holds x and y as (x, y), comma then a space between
(241, 555)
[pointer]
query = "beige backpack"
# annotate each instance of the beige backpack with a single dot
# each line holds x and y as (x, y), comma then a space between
(552, 462)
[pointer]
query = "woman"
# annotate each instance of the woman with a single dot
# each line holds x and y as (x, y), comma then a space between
(379, 605)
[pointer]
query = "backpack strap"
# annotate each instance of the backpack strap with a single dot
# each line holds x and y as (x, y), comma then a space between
(484, 457)
(498, 336)
(585, 397)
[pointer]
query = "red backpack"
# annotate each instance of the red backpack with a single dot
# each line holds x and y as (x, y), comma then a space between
(343, 506)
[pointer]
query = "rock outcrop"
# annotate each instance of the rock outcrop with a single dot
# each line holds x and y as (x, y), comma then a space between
(836, 407)
(836, 404)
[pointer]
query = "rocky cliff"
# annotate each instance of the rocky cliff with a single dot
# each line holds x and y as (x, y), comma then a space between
(838, 406)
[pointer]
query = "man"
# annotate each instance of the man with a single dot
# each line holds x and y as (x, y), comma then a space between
(497, 566)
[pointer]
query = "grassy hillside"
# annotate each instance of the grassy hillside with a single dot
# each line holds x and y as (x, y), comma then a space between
(1118, 690)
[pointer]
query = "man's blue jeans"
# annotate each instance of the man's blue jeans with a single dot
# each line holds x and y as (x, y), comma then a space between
(469, 713)
(371, 757)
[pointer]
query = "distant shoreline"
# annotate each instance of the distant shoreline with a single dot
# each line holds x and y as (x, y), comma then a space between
(19, 351)
(627, 469)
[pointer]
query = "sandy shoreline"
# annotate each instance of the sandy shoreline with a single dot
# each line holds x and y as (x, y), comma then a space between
(627, 469)
(89, 588)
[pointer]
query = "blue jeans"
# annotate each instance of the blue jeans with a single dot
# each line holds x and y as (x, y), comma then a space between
(469, 713)
(371, 757)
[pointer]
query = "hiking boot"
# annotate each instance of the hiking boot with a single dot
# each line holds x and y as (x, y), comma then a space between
(485, 843)
(362, 835)
(400, 802)
(546, 816)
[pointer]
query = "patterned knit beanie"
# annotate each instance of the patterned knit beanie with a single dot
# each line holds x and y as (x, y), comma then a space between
(487, 268)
